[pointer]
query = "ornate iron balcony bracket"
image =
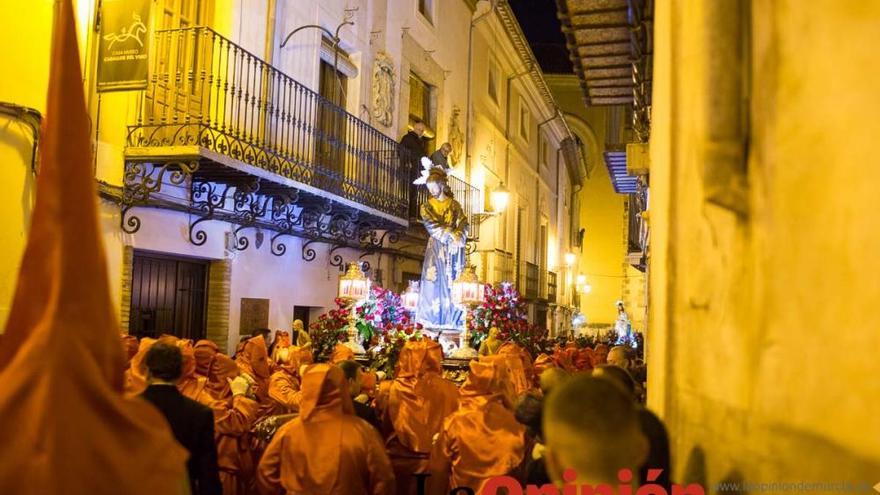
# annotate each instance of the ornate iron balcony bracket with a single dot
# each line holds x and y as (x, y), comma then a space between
(141, 180)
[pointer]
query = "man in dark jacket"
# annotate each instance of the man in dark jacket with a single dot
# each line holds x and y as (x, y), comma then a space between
(191, 423)
(412, 149)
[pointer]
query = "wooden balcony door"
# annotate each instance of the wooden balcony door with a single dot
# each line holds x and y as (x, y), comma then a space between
(168, 296)
(331, 123)
(179, 57)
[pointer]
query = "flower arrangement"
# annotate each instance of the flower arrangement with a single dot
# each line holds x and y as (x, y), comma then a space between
(505, 310)
(330, 329)
(382, 310)
(387, 352)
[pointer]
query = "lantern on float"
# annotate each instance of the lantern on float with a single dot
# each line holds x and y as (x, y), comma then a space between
(354, 287)
(467, 293)
(410, 297)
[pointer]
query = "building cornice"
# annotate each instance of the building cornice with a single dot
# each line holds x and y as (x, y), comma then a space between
(527, 57)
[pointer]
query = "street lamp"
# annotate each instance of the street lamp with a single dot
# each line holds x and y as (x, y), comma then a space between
(467, 293)
(499, 197)
(570, 258)
(354, 287)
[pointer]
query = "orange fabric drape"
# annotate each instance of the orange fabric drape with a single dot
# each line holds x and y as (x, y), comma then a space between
(327, 450)
(254, 360)
(63, 418)
(482, 439)
(520, 362)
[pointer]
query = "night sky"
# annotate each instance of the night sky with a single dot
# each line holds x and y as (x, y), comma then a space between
(541, 26)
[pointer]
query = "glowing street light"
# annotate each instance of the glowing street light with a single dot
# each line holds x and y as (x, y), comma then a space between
(499, 197)
(570, 258)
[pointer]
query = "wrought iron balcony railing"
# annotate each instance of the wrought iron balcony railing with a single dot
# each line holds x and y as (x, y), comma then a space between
(208, 92)
(497, 266)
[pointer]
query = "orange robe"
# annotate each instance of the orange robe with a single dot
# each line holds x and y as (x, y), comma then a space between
(204, 352)
(233, 419)
(521, 369)
(412, 409)
(254, 360)
(64, 423)
(482, 439)
(341, 353)
(327, 450)
(284, 392)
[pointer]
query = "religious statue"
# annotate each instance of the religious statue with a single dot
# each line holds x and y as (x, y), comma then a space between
(447, 226)
(456, 137)
(622, 326)
(383, 89)
(302, 337)
(492, 344)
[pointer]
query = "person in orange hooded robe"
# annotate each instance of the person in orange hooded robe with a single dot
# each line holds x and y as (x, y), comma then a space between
(232, 426)
(327, 450)
(253, 360)
(284, 384)
(520, 362)
(64, 423)
(412, 408)
(204, 352)
(483, 438)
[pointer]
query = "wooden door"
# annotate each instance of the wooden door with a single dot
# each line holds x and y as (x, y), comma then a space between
(180, 52)
(168, 296)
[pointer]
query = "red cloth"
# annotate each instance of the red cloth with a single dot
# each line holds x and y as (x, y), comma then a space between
(64, 422)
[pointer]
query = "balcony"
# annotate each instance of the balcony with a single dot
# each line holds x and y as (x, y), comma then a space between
(244, 143)
(497, 266)
(532, 281)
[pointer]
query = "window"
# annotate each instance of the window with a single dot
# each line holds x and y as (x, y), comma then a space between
(421, 105)
(426, 8)
(524, 116)
(543, 151)
(493, 80)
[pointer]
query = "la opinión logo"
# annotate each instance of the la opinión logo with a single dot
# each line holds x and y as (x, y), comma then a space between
(510, 486)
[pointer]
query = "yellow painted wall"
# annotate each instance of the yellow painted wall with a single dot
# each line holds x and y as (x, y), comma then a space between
(763, 336)
(601, 210)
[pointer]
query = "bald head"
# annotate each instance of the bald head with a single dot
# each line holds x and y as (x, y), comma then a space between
(619, 356)
(592, 426)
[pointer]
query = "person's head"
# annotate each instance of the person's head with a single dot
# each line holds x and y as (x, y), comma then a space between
(352, 371)
(592, 427)
(551, 378)
(437, 182)
(493, 333)
(618, 356)
(419, 128)
(446, 149)
(619, 376)
(164, 363)
(528, 413)
(298, 325)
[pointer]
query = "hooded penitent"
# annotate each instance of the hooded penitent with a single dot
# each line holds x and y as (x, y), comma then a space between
(63, 419)
(326, 450)
(483, 438)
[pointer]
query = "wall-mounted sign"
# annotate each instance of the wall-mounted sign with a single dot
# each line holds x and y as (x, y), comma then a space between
(123, 58)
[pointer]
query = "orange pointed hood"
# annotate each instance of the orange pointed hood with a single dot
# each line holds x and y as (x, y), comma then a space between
(204, 352)
(222, 369)
(325, 399)
(61, 344)
(489, 379)
(254, 358)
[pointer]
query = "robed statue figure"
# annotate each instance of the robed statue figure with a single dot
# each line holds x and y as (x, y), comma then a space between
(447, 227)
